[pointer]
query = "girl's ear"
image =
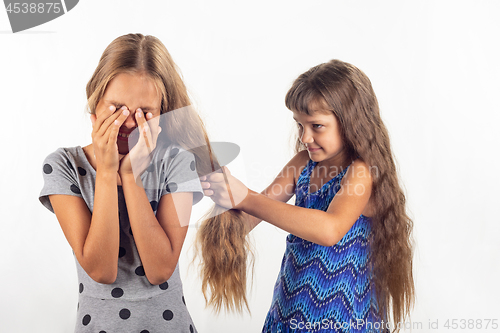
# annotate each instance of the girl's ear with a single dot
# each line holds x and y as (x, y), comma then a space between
(93, 118)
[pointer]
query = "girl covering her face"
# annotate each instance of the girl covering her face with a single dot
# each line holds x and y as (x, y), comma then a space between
(124, 201)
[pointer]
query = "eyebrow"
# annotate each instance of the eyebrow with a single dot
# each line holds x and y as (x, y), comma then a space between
(145, 108)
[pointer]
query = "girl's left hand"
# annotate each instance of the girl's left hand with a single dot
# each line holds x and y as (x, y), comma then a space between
(214, 186)
(139, 157)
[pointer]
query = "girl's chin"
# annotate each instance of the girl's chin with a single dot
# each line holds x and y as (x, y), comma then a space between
(315, 157)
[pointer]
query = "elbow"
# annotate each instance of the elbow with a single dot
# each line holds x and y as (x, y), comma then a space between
(329, 239)
(160, 277)
(331, 232)
(104, 277)
(101, 271)
(328, 242)
(325, 242)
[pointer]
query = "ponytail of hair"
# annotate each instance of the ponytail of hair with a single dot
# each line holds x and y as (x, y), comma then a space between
(224, 249)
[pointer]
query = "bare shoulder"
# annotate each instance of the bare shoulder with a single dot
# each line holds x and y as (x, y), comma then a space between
(359, 171)
(298, 163)
(358, 177)
(301, 157)
(359, 182)
(283, 186)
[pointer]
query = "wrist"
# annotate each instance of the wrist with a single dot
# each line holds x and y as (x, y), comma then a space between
(247, 202)
(106, 175)
(127, 178)
(125, 173)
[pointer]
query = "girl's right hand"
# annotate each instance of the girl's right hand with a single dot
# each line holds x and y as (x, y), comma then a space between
(224, 189)
(105, 129)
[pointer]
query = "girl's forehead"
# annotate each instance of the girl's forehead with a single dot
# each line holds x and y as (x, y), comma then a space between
(133, 88)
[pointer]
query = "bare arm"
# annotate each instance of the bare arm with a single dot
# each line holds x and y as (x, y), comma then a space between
(282, 188)
(159, 238)
(95, 237)
(325, 228)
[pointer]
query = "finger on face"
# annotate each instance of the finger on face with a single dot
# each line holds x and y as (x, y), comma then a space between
(139, 117)
(154, 126)
(144, 128)
(114, 128)
(97, 117)
(121, 116)
(107, 115)
(106, 111)
(116, 119)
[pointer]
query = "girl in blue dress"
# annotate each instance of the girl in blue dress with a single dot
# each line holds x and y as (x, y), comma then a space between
(347, 266)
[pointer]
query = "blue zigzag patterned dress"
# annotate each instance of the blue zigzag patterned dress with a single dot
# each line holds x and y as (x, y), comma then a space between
(324, 289)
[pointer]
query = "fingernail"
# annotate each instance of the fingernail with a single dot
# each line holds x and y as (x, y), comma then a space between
(124, 107)
(111, 107)
(116, 122)
(126, 112)
(139, 113)
(149, 115)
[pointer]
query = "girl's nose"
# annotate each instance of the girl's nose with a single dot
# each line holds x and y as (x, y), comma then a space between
(306, 137)
(130, 121)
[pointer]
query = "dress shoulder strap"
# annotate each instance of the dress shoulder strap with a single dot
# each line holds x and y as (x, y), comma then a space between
(306, 172)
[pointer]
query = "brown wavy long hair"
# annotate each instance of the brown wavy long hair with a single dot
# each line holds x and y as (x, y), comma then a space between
(139, 54)
(349, 95)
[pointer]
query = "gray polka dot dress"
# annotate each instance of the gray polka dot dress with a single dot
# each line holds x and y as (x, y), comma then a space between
(131, 303)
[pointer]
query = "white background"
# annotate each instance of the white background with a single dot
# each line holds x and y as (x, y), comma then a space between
(434, 66)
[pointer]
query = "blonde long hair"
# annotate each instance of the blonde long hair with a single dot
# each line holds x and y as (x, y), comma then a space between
(349, 94)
